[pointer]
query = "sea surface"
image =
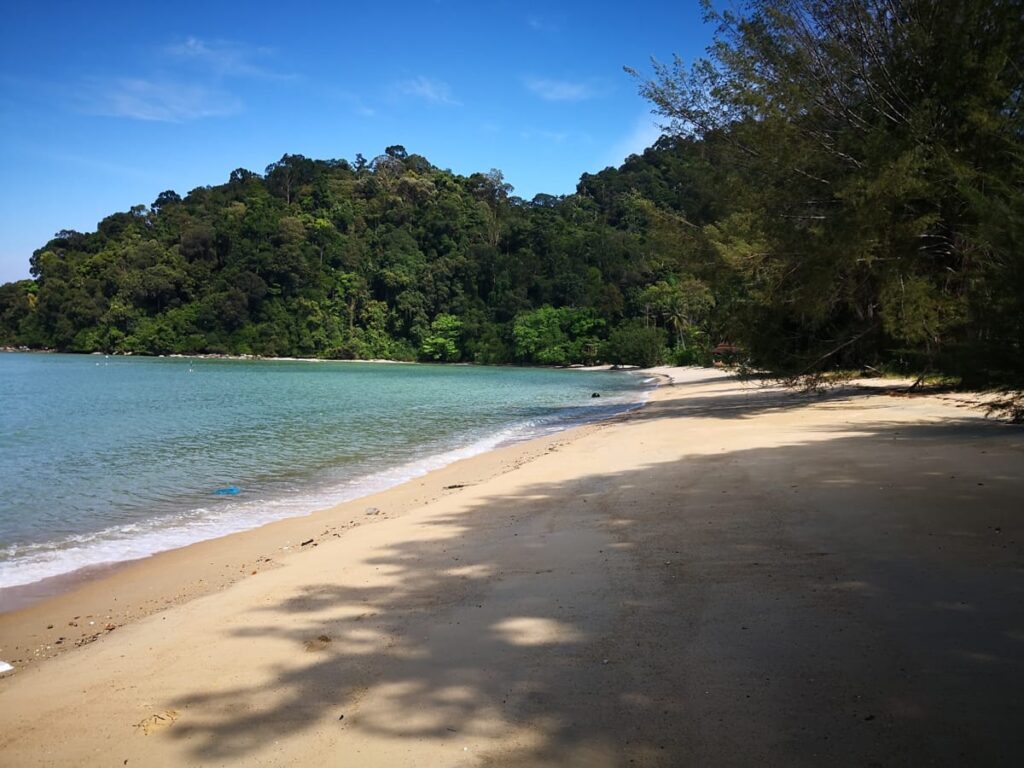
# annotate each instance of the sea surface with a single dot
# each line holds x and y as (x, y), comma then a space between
(106, 459)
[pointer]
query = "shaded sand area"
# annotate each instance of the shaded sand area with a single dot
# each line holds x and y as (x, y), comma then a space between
(734, 575)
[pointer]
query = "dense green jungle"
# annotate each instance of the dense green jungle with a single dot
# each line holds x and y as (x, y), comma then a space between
(839, 186)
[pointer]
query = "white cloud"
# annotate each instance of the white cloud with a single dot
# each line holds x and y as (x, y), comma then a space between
(428, 89)
(562, 90)
(352, 100)
(541, 24)
(642, 135)
(191, 84)
(225, 58)
(160, 101)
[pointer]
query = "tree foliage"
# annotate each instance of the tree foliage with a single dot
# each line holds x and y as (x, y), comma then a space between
(391, 258)
(560, 336)
(635, 343)
(441, 342)
(841, 184)
(867, 145)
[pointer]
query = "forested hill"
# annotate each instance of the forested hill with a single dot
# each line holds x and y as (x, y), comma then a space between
(392, 258)
(844, 189)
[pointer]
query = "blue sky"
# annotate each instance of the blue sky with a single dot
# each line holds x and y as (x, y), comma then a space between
(104, 105)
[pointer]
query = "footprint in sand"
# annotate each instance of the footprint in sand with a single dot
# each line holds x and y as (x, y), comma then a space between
(318, 643)
(157, 721)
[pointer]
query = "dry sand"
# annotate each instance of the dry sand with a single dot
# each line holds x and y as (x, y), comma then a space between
(734, 575)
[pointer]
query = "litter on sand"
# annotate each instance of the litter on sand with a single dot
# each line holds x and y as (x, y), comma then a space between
(5, 667)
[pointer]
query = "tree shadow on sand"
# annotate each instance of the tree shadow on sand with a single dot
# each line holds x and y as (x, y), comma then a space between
(611, 631)
(748, 397)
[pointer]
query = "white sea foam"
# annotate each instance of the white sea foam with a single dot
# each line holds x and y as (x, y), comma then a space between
(29, 563)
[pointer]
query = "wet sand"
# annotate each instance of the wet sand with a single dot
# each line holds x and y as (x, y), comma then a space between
(734, 575)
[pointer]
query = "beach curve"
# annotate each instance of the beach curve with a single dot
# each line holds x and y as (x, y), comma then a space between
(734, 574)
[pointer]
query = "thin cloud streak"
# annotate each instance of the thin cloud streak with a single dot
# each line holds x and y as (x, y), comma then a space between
(541, 24)
(428, 89)
(191, 89)
(562, 90)
(226, 58)
(155, 101)
(331, 93)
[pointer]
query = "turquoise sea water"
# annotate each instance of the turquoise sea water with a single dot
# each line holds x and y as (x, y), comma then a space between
(104, 459)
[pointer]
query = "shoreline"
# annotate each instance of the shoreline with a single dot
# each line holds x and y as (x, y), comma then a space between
(91, 591)
(33, 597)
(160, 537)
(260, 358)
(88, 583)
(736, 573)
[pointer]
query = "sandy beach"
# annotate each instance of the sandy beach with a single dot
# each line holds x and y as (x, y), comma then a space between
(735, 574)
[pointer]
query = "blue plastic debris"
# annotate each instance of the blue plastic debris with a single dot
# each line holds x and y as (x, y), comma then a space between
(231, 490)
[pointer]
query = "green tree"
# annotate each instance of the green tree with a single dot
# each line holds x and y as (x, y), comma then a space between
(441, 342)
(551, 336)
(681, 304)
(865, 144)
(635, 343)
(323, 258)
